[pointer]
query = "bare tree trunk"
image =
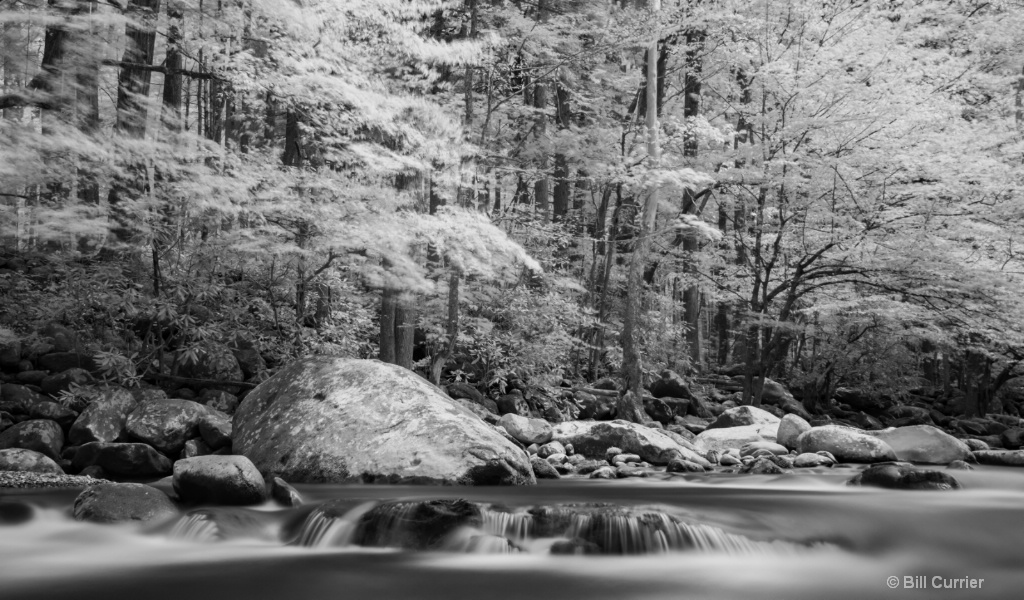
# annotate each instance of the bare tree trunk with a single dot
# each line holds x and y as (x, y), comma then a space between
(388, 306)
(405, 330)
(440, 359)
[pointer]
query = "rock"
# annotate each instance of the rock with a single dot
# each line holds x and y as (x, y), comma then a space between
(550, 448)
(775, 394)
(763, 466)
(593, 438)
(678, 465)
(845, 444)
(542, 469)
(117, 502)
(15, 513)
(526, 429)
(213, 362)
(734, 437)
(671, 384)
(611, 452)
(215, 428)
(659, 410)
(104, 419)
(19, 459)
(165, 424)
(45, 437)
(959, 465)
(903, 415)
(416, 525)
(335, 420)
(743, 416)
(18, 399)
(219, 480)
(556, 459)
(247, 353)
(1003, 458)
(770, 447)
(1013, 438)
(905, 478)
(811, 459)
(924, 444)
(31, 377)
(860, 401)
(219, 400)
(284, 494)
(976, 445)
(628, 458)
(790, 428)
(52, 411)
(574, 547)
(461, 389)
(729, 460)
(606, 383)
(123, 459)
(599, 408)
(605, 472)
(513, 403)
(623, 471)
(10, 350)
(196, 447)
(61, 382)
(58, 362)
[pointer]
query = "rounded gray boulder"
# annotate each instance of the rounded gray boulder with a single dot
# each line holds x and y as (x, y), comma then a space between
(219, 480)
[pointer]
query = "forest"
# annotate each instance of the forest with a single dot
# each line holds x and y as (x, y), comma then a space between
(507, 193)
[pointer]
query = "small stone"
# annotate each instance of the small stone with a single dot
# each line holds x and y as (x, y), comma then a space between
(117, 502)
(551, 448)
(526, 429)
(679, 465)
(605, 472)
(904, 477)
(215, 429)
(569, 450)
(542, 469)
(284, 494)
(196, 447)
(533, 449)
(763, 466)
(625, 459)
(624, 471)
(959, 465)
(611, 453)
(728, 460)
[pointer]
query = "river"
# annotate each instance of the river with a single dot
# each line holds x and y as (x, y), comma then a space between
(798, 535)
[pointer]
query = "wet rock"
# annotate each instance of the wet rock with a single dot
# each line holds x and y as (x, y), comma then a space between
(215, 428)
(873, 404)
(623, 471)
(556, 459)
(587, 466)
(15, 513)
(551, 448)
(766, 447)
(10, 350)
(959, 465)
(678, 465)
(790, 428)
(335, 420)
(672, 385)
(18, 399)
(104, 419)
(599, 408)
(976, 445)
(762, 466)
(61, 382)
(52, 411)
(845, 444)
(903, 415)
(902, 477)
(30, 461)
(734, 437)
(626, 459)
(526, 429)
(924, 444)
(542, 469)
(45, 437)
(1003, 458)
(117, 502)
(284, 494)
(604, 472)
(416, 525)
(31, 377)
(811, 459)
(123, 459)
(743, 416)
(230, 480)
(165, 424)
(594, 438)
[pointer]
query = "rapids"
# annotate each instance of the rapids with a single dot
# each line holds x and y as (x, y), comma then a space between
(803, 535)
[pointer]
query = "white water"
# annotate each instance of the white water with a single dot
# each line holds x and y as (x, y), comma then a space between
(791, 536)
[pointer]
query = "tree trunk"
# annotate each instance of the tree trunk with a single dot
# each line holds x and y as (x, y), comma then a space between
(540, 187)
(405, 330)
(441, 358)
(563, 188)
(388, 306)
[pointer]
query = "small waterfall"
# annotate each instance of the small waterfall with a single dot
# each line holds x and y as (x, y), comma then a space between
(511, 525)
(325, 528)
(416, 525)
(196, 527)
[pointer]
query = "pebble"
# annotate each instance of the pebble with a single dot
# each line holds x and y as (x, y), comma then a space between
(25, 480)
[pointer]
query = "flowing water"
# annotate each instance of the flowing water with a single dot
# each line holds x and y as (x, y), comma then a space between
(801, 535)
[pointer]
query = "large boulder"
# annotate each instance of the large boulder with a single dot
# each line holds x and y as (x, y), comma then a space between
(19, 459)
(18, 399)
(671, 385)
(526, 429)
(219, 480)
(165, 424)
(103, 420)
(117, 502)
(722, 439)
(790, 428)
(659, 410)
(845, 444)
(45, 437)
(125, 460)
(334, 420)
(902, 477)
(1002, 458)
(216, 428)
(513, 403)
(593, 438)
(744, 415)
(924, 444)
